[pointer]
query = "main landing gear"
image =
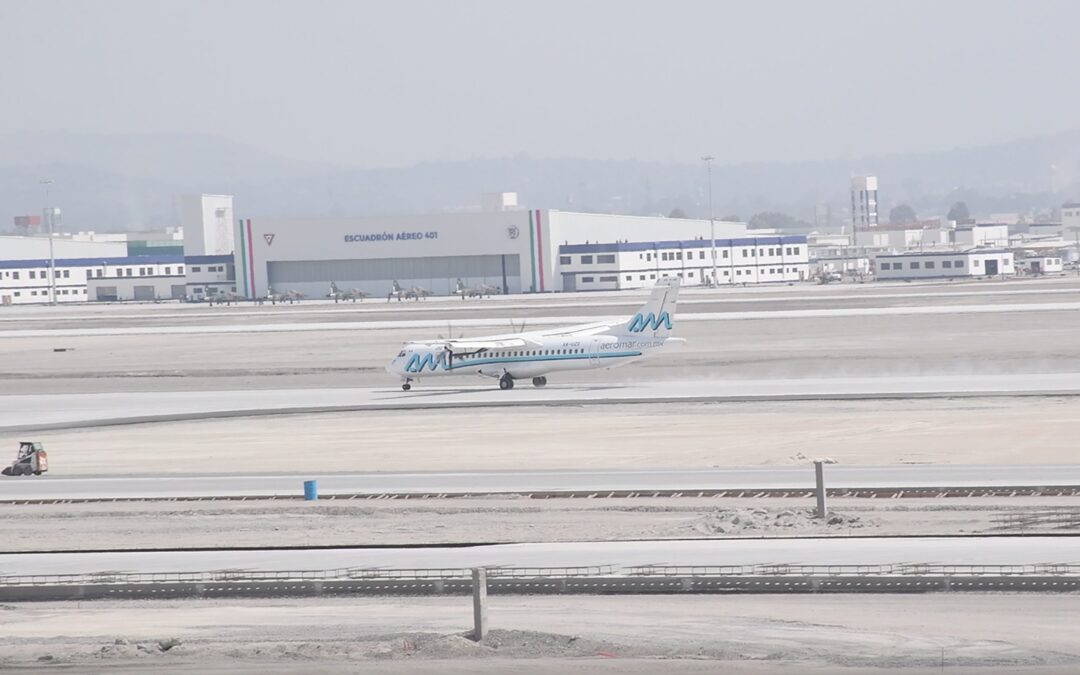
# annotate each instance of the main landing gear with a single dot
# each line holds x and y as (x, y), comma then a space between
(539, 381)
(506, 382)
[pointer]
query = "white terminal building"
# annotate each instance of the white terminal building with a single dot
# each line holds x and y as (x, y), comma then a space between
(515, 250)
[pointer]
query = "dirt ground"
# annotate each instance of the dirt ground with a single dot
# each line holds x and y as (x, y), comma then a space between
(958, 431)
(1001, 633)
(327, 523)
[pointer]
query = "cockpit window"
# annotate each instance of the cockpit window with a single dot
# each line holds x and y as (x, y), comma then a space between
(401, 353)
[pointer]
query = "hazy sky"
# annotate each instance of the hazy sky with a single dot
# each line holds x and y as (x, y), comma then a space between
(398, 82)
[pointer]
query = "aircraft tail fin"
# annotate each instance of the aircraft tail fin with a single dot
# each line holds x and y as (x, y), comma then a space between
(657, 316)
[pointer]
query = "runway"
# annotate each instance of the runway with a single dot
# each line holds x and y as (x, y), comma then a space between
(481, 482)
(833, 551)
(534, 321)
(62, 411)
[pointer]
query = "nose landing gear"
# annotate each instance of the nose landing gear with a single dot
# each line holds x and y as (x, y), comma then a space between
(539, 381)
(405, 386)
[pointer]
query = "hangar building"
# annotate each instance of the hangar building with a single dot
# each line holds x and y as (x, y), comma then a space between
(516, 251)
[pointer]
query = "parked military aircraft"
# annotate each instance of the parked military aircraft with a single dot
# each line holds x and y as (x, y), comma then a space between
(478, 291)
(353, 294)
(412, 293)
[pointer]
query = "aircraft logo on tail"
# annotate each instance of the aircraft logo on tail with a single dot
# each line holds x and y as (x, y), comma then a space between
(650, 321)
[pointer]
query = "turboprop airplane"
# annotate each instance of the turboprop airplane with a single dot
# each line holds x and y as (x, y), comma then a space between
(535, 354)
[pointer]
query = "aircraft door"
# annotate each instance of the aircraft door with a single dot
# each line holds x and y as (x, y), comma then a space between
(594, 352)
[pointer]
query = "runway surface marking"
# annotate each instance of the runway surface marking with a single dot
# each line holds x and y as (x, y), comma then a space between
(322, 307)
(538, 321)
(40, 411)
(829, 551)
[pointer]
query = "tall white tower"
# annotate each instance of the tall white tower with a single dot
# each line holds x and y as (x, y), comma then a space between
(208, 224)
(864, 202)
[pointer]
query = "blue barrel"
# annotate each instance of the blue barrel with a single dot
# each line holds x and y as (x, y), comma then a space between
(311, 490)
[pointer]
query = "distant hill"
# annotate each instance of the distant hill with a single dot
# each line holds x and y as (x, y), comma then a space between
(120, 182)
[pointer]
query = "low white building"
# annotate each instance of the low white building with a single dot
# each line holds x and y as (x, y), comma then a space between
(743, 260)
(209, 275)
(944, 264)
(155, 288)
(901, 238)
(1035, 265)
(981, 235)
(844, 265)
(29, 282)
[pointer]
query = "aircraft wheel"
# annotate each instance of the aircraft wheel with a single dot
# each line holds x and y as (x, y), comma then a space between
(406, 387)
(539, 381)
(37, 473)
(506, 382)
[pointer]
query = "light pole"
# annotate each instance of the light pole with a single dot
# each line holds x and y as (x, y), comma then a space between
(708, 159)
(52, 261)
(1076, 230)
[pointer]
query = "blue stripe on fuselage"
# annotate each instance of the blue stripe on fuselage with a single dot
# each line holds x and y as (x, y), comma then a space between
(464, 363)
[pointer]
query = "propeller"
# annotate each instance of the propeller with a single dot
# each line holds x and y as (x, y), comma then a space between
(517, 328)
(450, 333)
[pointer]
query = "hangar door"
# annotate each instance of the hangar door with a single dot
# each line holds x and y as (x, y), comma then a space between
(438, 274)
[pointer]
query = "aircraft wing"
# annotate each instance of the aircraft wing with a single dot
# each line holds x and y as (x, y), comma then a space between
(488, 343)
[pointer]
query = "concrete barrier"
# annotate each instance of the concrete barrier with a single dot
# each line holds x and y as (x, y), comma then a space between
(602, 585)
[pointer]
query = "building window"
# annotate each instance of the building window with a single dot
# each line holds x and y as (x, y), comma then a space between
(180, 269)
(606, 259)
(690, 275)
(701, 255)
(128, 272)
(66, 273)
(168, 270)
(648, 257)
(643, 277)
(585, 260)
(563, 260)
(929, 264)
(196, 268)
(745, 254)
(796, 249)
(958, 263)
(886, 266)
(14, 275)
(586, 280)
(976, 262)
(946, 264)
(32, 275)
(725, 253)
(652, 276)
(726, 273)
(788, 250)
(914, 265)
(608, 279)
(629, 278)
(678, 255)
(17, 294)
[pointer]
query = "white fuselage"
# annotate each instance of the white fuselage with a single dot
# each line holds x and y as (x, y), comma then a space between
(537, 358)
